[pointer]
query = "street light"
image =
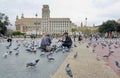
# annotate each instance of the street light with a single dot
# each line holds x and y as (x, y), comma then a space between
(36, 24)
(86, 21)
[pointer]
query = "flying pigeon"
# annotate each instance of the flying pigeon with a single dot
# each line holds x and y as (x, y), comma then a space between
(68, 70)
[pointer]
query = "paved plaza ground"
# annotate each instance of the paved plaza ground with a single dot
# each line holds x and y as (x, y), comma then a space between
(86, 65)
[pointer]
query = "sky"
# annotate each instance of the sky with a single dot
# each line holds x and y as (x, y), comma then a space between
(96, 11)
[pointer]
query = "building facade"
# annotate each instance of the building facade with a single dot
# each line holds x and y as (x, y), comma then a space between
(44, 24)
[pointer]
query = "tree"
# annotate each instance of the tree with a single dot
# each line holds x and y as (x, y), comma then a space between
(16, 33)
(117, 28)
(4, 22)
(74, 29)
(109, 26)
(87, 31)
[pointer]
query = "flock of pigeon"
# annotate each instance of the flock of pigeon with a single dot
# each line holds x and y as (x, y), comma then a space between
(104, 48)
(32, 46)
(107, 49)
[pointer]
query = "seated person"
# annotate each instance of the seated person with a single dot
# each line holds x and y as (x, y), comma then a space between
(67, 41)
(45, 42)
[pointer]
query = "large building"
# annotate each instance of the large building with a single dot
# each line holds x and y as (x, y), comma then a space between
(46, 24)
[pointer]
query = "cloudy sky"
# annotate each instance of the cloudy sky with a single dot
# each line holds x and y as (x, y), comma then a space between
(96, 11)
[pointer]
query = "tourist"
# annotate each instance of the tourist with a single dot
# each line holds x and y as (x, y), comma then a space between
(45, 43)
(74, 35)
(67, 41)
(79, 37)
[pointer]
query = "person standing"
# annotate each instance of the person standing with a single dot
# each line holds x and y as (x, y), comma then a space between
(74, 37)
(79, 37)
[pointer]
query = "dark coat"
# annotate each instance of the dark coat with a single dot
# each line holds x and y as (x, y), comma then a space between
(67, 42)
(46, 41)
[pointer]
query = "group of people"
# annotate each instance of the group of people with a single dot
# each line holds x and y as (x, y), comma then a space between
(46, 42)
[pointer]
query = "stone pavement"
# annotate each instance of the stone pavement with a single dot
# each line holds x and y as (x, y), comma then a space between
(86, 65)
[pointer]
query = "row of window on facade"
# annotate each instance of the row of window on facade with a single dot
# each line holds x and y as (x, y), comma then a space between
(58, 25)
(56, 31)
(31, 28)
(32, 24)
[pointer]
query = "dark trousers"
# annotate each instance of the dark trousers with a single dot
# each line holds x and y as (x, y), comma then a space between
(66, 45)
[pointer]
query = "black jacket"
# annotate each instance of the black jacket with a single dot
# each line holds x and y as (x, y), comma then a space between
(68, 41)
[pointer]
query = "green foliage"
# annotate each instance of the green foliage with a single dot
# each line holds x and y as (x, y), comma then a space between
(4, 21)
(109, 26)
(17, 33)
(87, 31)
(74, 29)
(95, 30)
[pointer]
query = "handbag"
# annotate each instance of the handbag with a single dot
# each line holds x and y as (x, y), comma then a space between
(48, 48)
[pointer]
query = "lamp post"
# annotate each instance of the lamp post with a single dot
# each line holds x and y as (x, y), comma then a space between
(86, 21)
(36, 24)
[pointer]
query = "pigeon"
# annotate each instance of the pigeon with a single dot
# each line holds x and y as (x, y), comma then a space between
(68, 70)
(109, 47)
(94, 46)
(75, 55)
(51, 53)
(116, 46)
(33, 63)
(106, 56)
(5, 55)
(87, 46)
(75, 45)
(42, 54)
(18, 45)
(31, 50)
(16, 48)
(17, 53)
(9, 46)
(50, 58)
(10, 52)
(111, 52)
(103, 44)
(93, 50)
(117, 64)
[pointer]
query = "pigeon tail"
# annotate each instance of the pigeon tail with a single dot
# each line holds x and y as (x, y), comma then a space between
(117, 64)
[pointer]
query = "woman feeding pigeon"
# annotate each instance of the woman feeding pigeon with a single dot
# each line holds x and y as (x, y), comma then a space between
(45, 43)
